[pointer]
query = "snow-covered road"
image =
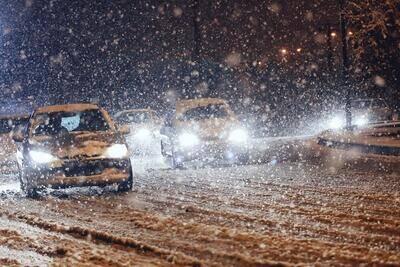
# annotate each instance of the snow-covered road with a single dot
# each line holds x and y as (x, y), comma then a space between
(252, 215)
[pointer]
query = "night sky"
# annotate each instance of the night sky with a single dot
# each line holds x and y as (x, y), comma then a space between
(71, 51)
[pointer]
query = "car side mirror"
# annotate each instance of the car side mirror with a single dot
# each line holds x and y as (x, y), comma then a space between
(124, 129)
(18, 134)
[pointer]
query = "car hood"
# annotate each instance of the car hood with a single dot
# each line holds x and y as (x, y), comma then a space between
(207, 129)
(85, 145)
(134, 127)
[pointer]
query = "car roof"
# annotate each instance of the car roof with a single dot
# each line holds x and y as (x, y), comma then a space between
(133, 111)
(368, 99)
(14, 117)
(67, 108)
(183, 105)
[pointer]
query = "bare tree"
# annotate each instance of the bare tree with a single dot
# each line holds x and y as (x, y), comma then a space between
(376, 38)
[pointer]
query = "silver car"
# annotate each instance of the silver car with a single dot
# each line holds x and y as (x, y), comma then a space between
(204, 129)
(141, 128)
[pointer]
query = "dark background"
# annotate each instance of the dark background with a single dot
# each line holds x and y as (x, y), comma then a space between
(126, 54)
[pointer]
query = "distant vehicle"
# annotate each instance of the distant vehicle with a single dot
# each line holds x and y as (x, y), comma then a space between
(8, 123)
(142, 130)
(8, 148)
(71, 145)
(365, 111)
(202, 129)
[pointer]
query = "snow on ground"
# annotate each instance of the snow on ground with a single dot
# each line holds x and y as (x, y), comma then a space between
(285, 210)
(245, 215)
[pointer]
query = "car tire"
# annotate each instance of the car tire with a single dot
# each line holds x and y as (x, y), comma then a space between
(30, 192)
(175, 163)
(127, 185)
(244, 159)
(163, 153)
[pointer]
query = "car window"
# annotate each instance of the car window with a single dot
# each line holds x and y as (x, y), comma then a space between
(8, 124)
(205, 112)
(83, 121)
(134, 117)
(366, 104)
(378, 103)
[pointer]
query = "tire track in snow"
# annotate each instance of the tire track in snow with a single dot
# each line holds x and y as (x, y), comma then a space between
(175, 258)
(220, 217)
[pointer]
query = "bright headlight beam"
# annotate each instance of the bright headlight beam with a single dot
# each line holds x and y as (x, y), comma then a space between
(143, 133)
(116, 151)
(238, 136)
(41, 157)
(188, 140)
(336, 122)
(361, 120)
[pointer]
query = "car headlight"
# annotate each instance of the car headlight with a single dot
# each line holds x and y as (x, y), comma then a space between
(143, 133)
(361, 120)
(336, 122)
(238, 136)
(188, 140)
(41, 157)
(116, 151)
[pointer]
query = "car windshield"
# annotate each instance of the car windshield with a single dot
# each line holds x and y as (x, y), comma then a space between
(82, 121)
(365, 104)
(378, 103)
(8, 124)
(205, 112)
(134, 117)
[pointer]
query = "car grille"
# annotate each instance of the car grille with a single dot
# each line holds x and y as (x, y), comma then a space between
(84, 168)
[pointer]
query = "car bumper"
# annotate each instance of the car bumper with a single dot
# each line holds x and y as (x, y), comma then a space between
(78, 174)
(212, 150)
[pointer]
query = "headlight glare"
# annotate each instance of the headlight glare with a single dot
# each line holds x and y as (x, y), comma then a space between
(361, 120)
(336, 122)
(116, 151)
(238, 136)
(41, 157)
(143, 133)
(188, 140)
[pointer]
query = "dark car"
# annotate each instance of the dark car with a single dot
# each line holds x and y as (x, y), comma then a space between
(8, 123)
(71, 145)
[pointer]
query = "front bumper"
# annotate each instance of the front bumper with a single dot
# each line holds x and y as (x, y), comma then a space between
(74, 173)
(211, 150)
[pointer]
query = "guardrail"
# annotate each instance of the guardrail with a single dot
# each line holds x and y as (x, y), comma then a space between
(363, 148)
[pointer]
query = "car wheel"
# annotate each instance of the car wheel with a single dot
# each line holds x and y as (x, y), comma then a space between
(176, 163)
(244, 159)
(163, 153)
(127, 185)
(31, 193)
(26, 188)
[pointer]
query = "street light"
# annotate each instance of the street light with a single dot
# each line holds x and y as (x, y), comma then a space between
(298, 50)
(346, 64)
(284, 51)
(333, 34)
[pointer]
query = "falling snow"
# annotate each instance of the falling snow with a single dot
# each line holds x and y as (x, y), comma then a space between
(256, 133)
